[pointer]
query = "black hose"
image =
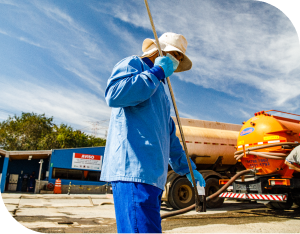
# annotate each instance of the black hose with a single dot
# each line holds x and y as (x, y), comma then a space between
(187, 209)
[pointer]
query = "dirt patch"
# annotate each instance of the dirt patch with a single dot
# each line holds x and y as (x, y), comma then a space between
(106, 225)
(76, 225)
(261, 215)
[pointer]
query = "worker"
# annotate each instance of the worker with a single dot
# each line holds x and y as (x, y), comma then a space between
(294, 158)
(31, 182)
(141, 141)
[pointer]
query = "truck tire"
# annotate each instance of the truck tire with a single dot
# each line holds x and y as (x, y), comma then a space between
(297, 201)
(281, 205)
(212, 186)
(168, 204)
(181, 194)
(270, 205)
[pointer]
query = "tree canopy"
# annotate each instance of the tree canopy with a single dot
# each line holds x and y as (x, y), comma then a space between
(31, 131)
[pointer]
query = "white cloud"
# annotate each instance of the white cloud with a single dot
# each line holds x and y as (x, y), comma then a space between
(75, 107)
(57, 15)
(186, 115)
(249, 51)
(3, 32)
(247, 43)
(23, 39)
(76, 50)
(29, 42)
(8, 2)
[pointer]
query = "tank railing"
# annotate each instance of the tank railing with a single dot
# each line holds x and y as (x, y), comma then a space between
(271, 156)
(267, 146)
(282, 112)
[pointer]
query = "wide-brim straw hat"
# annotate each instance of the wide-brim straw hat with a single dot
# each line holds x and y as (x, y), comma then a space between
(169, 42)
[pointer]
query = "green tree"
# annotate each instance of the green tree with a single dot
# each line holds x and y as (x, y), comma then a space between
(31, 131)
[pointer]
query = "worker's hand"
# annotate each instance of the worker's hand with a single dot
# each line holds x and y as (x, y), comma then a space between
(166, 64)
(198, 177)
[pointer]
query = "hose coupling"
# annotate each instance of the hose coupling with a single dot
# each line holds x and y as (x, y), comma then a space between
(254, 170)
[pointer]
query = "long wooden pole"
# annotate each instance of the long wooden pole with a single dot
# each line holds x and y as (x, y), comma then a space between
(197, 199)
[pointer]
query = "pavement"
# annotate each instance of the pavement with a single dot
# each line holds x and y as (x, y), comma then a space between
(81, 213)
(79, 205)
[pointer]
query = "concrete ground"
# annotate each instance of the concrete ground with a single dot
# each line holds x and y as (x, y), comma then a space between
(82, 213)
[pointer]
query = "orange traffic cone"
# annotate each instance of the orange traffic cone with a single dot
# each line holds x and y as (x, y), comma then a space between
(57, 186)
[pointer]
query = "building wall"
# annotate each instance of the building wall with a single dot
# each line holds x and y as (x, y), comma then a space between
(62, 158)
(1, 163)
(27, 166)
(23, 167)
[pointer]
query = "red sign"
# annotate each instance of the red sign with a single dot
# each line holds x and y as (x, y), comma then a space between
(87, 156)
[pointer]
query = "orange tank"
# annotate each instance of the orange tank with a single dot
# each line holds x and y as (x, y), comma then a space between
(265, 140)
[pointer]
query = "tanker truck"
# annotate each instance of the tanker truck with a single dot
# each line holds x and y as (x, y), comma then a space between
(211, 146)
(263, 143)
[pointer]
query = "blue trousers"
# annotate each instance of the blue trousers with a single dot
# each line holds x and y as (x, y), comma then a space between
(137, 207)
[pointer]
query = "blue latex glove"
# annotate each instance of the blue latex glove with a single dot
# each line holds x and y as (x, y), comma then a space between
(166, 64)
(198, 177)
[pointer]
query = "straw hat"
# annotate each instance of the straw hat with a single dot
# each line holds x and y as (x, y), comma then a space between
(169, 42)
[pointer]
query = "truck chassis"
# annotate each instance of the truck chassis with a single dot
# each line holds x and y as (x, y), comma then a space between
(261, 189)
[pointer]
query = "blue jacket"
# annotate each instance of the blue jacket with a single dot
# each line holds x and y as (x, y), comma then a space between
(141, 141)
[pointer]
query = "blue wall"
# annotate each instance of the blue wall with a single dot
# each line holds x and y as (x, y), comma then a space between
(1, 163)
(27, 166)
(3, 177)
(62, 158)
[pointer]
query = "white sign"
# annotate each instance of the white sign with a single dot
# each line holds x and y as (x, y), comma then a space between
(87, 161)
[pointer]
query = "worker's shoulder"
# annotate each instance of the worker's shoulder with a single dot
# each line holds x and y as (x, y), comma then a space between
(297, 150)
(131, 60)
(295, 153)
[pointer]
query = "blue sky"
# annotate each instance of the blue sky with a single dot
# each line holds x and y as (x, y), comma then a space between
(56, 57)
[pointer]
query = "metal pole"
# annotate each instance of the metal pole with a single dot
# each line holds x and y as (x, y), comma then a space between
(197, 199)
(37, 187)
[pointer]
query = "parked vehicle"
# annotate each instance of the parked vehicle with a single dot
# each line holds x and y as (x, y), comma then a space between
(211, 146)
(263, 143)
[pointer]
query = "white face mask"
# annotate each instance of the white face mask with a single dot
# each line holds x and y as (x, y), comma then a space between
(174, 60)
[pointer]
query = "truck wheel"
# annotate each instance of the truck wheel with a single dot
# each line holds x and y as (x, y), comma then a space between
(168, 204)
(297, 201)
(281, 205)
(270, 205)
(181, 193)
(212, 186)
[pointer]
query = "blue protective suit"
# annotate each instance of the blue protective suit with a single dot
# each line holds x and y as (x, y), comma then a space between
(141, 140)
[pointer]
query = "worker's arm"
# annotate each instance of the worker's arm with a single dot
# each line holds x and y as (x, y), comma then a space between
(292, 166)
(129, 85)
(177, 158)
